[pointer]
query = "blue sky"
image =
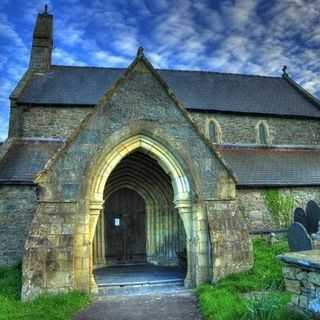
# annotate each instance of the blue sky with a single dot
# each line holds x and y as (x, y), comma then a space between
(241, 36)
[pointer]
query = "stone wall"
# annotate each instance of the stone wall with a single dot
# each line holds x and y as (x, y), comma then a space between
(60, 121)
(231, 248)
(17, 204)
(252, 204)
(242, 128)
(304, 284)
(302, 278)
(51, 121)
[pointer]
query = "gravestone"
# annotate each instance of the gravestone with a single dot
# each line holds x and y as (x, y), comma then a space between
(298, 238)
(313, 217)
(300, 216)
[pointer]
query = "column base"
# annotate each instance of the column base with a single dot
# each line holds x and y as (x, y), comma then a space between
(93, 285)
(188, 283)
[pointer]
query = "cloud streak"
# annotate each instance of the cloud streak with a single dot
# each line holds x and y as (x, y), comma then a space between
(242, 36)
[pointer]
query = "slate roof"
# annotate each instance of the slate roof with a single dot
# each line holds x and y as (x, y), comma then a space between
(25, 158)
(273, 166)
(197, 90)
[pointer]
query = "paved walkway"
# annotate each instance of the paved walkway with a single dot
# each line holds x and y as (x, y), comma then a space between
(179, 306)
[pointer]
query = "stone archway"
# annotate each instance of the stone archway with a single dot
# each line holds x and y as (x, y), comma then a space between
(163, 228)
(103, 167)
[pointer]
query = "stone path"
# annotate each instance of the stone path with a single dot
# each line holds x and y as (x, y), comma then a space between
(177, 306)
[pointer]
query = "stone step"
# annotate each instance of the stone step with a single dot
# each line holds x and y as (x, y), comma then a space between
(141, 288)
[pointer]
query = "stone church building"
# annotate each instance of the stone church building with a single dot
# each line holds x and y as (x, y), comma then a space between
(174, 162)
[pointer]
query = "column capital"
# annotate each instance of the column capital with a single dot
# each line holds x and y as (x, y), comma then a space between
(183, 204)
(95, 206)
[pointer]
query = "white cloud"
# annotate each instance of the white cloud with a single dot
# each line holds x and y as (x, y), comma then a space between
(108, 59)
(244, 36)
(4, 123)
(63, 57)
(8, 32)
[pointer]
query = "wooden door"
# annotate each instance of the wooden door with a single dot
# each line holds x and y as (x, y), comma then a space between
(125, 233)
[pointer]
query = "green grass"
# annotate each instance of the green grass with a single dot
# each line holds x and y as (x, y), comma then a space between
(226, 301)
(57, 307)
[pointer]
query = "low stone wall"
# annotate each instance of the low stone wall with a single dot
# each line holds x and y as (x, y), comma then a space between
(17, 204)
(302, 278)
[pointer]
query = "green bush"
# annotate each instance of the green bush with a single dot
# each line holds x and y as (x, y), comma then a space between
(48, 307)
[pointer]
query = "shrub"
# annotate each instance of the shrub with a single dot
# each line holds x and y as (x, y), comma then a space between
(280, 206)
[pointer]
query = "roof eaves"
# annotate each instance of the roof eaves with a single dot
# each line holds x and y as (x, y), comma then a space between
(16, 182)
(269, 147)
(53, 105)
(251, 113)
(275, 185)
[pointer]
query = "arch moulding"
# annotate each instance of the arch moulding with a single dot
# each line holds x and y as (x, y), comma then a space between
(106, 163)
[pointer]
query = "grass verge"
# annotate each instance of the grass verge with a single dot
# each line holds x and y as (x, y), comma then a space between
(50, 307)
(227, 299)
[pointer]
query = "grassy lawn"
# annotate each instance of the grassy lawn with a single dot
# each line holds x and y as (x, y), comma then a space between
(227, 299)
(57, 307)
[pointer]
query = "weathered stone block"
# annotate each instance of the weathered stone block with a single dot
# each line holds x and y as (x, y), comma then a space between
(290, 272)
(314, 277)
(303, 301)
(58, 280)
(17, 206)
(301, 276)
(293, 286)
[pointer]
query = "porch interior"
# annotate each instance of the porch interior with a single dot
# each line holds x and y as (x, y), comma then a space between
(140, 239)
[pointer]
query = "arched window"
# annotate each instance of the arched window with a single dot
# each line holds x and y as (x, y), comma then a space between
(214, 132)
(263, 133)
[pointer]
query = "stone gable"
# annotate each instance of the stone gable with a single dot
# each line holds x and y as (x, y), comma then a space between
(138, 104)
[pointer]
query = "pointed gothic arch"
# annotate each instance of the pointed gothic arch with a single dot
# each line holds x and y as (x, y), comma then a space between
(106, 163)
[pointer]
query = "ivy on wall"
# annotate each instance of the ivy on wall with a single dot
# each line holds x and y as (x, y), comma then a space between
(280, 206)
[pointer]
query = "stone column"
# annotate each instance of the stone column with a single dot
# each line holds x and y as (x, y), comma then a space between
(99, 258)
(185, 211)
(95, 210)
(202, 274)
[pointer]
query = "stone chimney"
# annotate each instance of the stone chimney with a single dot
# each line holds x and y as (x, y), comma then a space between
(42, 42)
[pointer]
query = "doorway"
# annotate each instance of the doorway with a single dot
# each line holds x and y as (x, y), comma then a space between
(125, 228)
